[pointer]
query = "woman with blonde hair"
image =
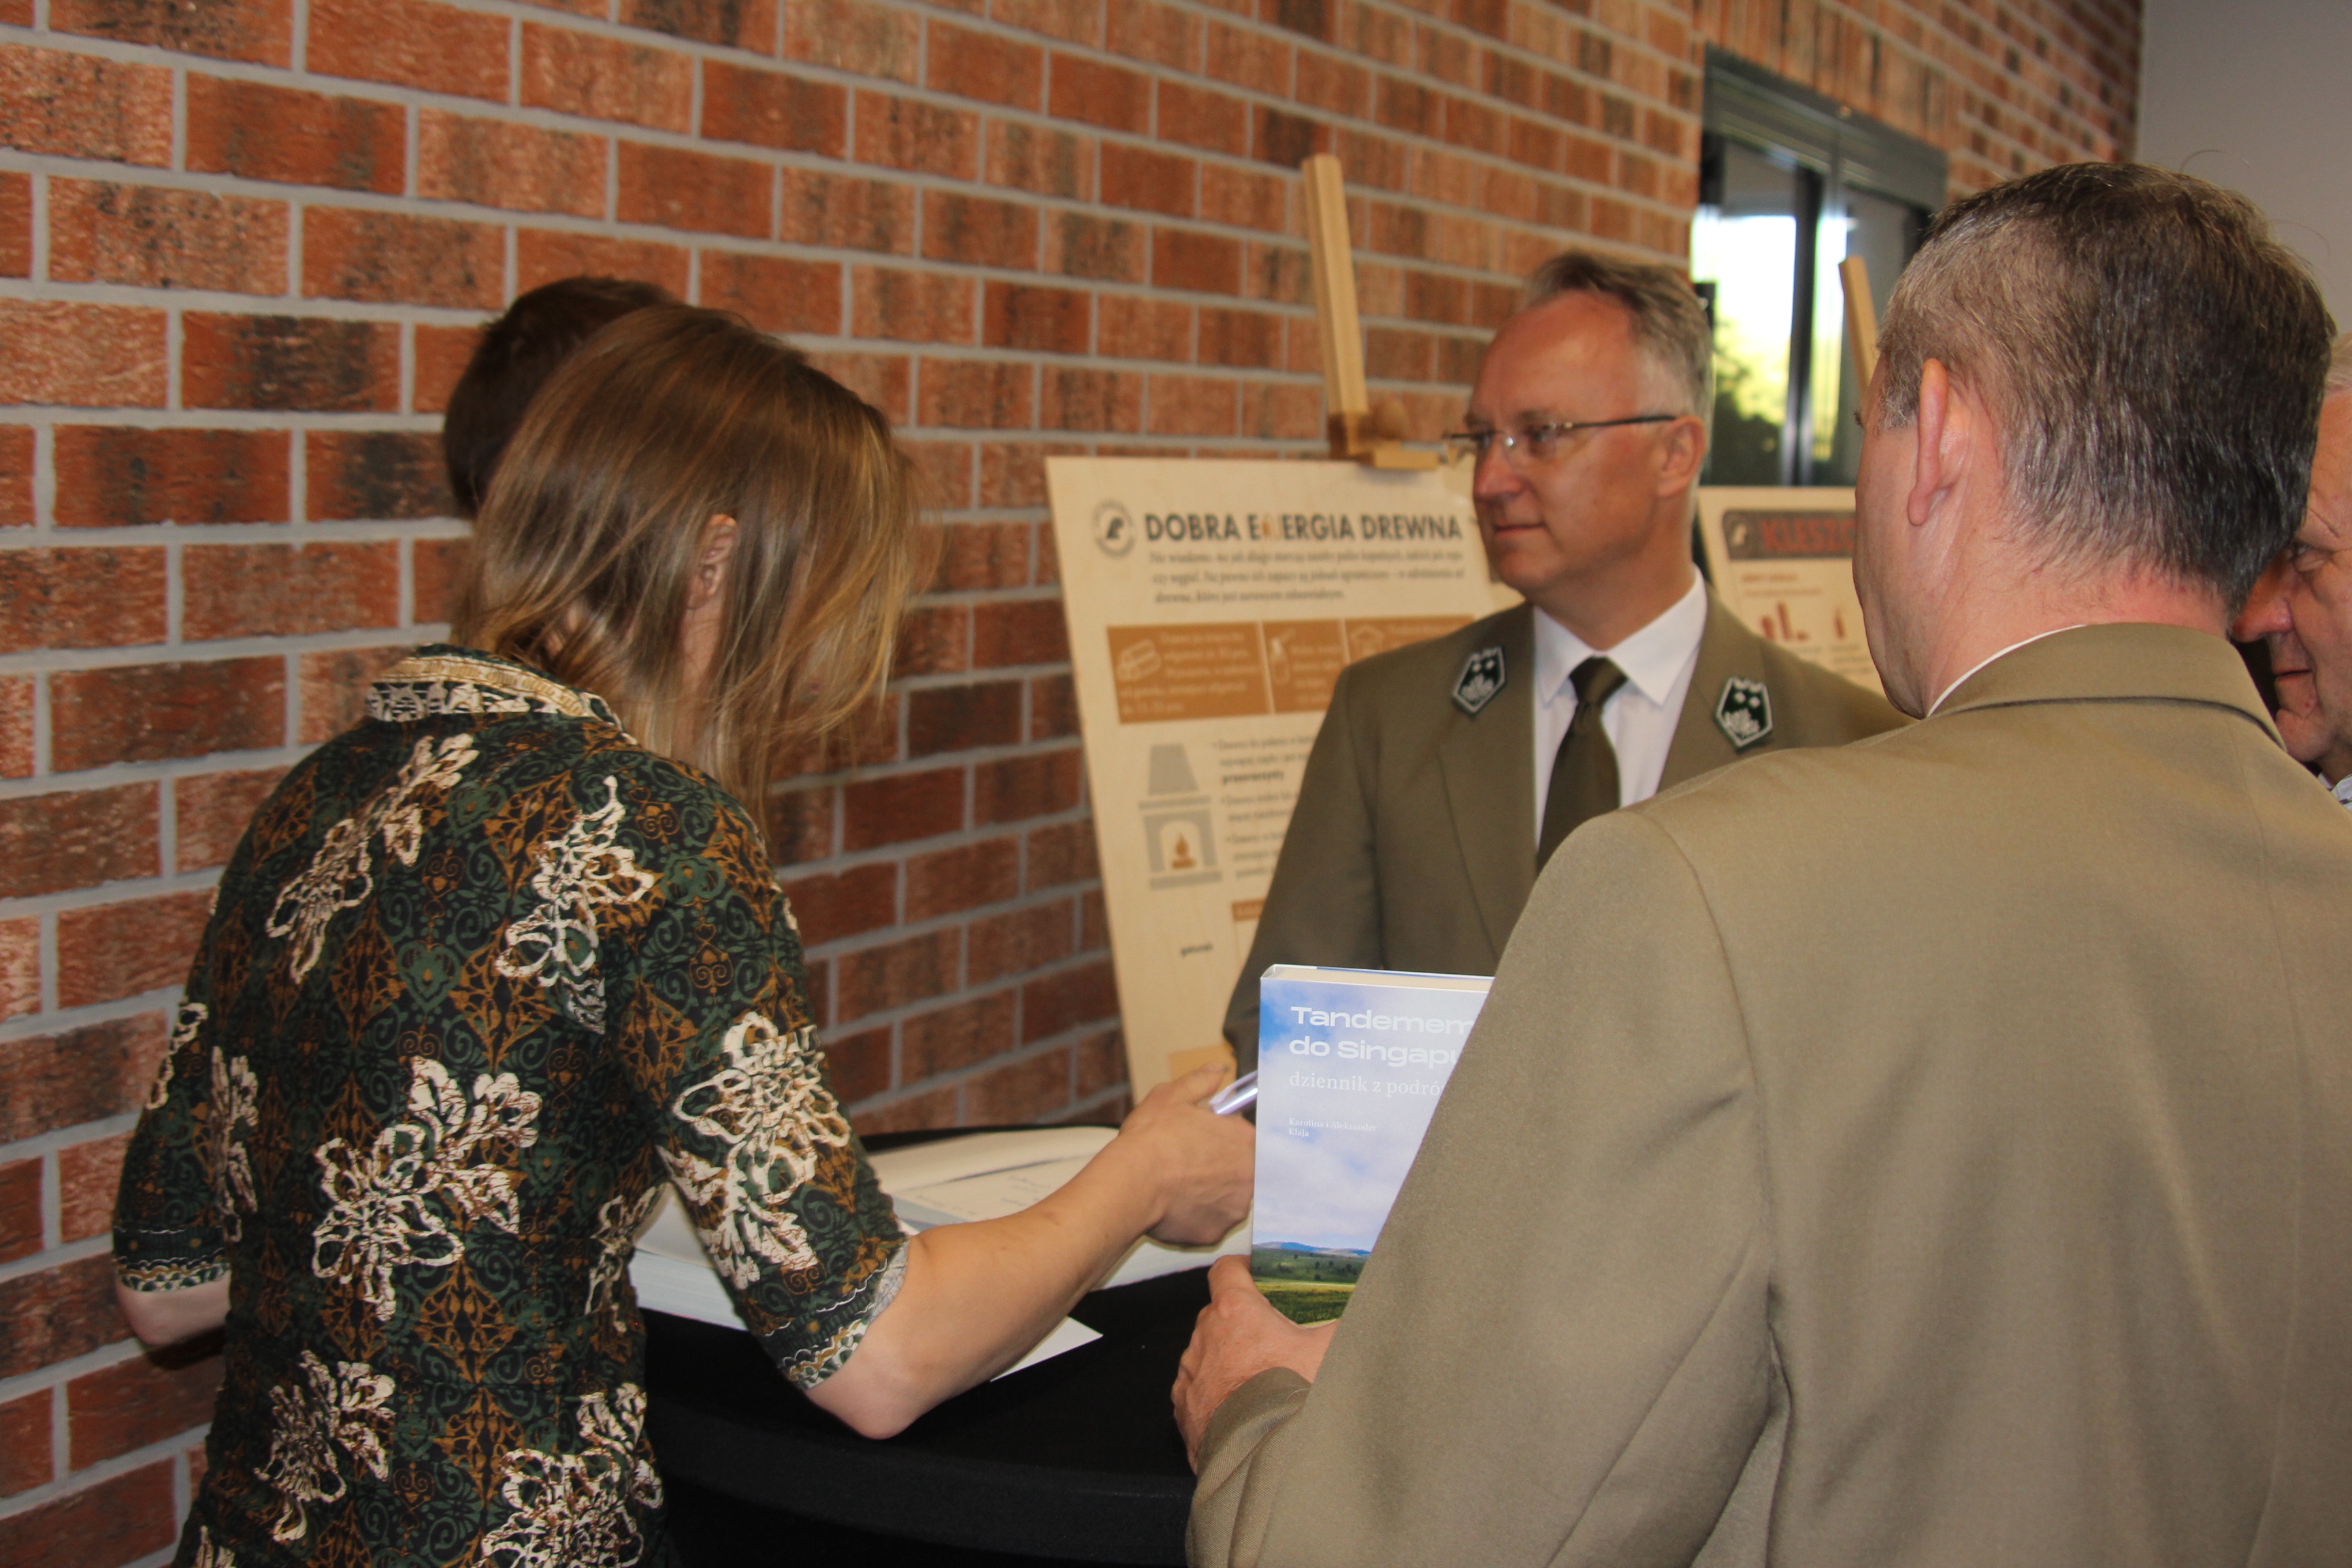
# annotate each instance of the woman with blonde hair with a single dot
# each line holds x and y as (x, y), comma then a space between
(491, 966)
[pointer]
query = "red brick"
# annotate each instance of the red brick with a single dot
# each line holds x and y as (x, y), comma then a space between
(1102, 1068)
(212, 811)
(731, 24)
(442, 354)
(1288, 139)
(410, 43)
(680, 189)
(914, 307)
(604, 79)
(844, 213)
(261, 31)
(1065, 1000)
(123, 1518)
(774, 294)
(1062, 854)
(1198, 118)
(1250, 338)
(375, 475)
(260, 590)
(1279, 273)
(82, 106)
(980, 232)
(117, 478)
(20, 1220)
(885, 381)
(75, 838)
(985, 66)
(113, 951)
(24, 1461)
(946, 467)
(986, 555)
(80, 1075)
(1099, 94)
(135, 1402)
(16, 727)
(149, 712)
(956, 1037)
(433, 568)
(974, 395)
(394, 259)
(901, 808)
(1146, 30)
(20, 966)
(82, 356)
(861, 36)
(1204, 263)
(1333, 84)
(1020, 787)
(934, 640)
(858, 1066)
(843, 903)
(1016, 941)
(80, 598)
(1019, 631)
(295, 137)
(543, 255)
(894, 974)
(800, 825)
(922, 138)
(1079, 21)
(964, 878)
(1136, 326)
(88, 1175)
(1081, 245)
(1244, 198)
(1053, 708)
(1078, 398)
(289, 363)
(15, 225)
(497, 164)
(959, 717)
(1288, 411)
(154, 239)
(1031, 1089)
(1247, 60)
(332, 687)
(770, 108)
(913, 1113)
(1040, 159)
(1154, 182)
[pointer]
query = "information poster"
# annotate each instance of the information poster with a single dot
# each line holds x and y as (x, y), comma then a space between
(1784, 560)
(1211, 605)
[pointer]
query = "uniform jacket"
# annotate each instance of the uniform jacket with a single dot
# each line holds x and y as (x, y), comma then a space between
(1413, 844)
(1932, 1151)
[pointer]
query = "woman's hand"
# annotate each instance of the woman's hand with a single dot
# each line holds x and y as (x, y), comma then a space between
(1202, 1165)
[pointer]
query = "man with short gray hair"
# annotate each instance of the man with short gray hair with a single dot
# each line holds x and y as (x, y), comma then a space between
(1446, 773)
(1935, 1149)
(2303, 605)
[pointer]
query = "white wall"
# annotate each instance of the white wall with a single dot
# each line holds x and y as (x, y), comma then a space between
(2252, 94)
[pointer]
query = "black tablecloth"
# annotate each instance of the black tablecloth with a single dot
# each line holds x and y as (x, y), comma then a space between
(1075, 1458)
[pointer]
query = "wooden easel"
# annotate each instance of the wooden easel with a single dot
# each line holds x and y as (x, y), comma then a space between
(1359, 432)
(1861, 318)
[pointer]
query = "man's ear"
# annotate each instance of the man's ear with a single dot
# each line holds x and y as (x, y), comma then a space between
(1681, 455)
(1946, 426)
(711, 570)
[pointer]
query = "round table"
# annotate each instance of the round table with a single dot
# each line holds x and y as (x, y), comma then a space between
(1076, 1458)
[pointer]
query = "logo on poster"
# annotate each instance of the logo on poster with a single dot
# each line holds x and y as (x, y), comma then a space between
(1114, 529)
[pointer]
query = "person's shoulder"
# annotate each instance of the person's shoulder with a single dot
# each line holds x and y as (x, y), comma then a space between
(1817, 707)
(665, 809)
(1436, 663)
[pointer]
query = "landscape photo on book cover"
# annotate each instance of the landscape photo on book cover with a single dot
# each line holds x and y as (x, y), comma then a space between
(1350, 1065)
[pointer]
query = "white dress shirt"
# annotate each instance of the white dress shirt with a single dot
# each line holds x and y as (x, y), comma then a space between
(1640, 715)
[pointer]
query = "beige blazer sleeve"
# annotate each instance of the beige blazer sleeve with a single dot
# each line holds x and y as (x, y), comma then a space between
(1559, 1352)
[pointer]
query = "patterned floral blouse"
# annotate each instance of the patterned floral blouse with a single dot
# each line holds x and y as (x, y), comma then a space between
(482, 974)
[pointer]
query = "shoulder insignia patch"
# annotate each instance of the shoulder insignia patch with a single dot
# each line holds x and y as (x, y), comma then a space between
(1482, 677)
(1744, 711)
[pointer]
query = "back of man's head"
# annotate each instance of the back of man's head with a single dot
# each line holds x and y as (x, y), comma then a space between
(2154, 360)
(1669, 324)
(517, 354)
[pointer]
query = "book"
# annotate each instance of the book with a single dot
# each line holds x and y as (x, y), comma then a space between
(1351, 1064)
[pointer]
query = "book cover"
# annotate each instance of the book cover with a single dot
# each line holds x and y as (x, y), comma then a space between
(1351, 1064)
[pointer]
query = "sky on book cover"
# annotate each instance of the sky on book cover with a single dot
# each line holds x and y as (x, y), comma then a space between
(1348, 1073)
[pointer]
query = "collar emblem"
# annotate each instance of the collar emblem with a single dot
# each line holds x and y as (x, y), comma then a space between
(1482, 677)
(1744, 712)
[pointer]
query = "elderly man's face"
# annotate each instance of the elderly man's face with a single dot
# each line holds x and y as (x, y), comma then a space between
(2302, 607)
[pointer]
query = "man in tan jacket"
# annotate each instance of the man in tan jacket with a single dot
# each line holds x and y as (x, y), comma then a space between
(1446, 771)
(1936, 1150)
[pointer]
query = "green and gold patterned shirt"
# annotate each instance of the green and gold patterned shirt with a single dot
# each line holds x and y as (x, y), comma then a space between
(484, 973)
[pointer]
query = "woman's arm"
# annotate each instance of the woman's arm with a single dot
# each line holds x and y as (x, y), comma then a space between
(162, 1318)
(976, 1297)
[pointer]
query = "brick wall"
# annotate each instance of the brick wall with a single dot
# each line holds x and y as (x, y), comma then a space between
(244, 245)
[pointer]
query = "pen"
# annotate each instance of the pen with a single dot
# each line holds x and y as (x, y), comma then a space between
(1236, 1095)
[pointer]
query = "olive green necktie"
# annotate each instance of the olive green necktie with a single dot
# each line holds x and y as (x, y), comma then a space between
(1584, 768)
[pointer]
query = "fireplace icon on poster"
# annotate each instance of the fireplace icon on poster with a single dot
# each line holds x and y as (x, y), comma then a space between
(1179, 836)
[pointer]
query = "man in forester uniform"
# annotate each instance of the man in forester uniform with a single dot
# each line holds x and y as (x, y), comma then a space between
(1446, 772)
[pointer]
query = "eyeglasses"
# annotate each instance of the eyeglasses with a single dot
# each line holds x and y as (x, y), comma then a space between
(1539, 442)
